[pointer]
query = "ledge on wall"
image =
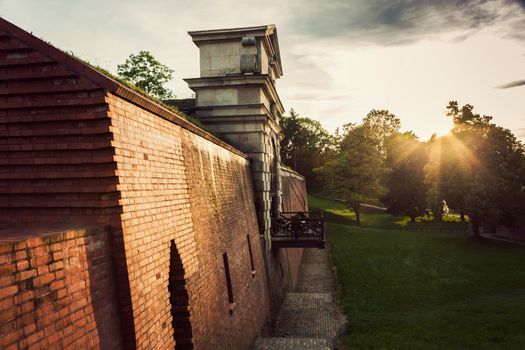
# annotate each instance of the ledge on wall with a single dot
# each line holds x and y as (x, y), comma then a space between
(10, 236)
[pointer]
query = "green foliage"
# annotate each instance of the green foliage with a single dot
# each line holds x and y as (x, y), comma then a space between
(479, 169)
(383, 125)
(305, 146)
(405, 183)
(355, 173)
(465, 118)
(148, 74)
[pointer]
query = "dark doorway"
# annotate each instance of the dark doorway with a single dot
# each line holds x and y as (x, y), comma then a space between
(180, 311)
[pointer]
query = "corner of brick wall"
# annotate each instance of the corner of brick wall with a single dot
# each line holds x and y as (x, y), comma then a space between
(57, 292)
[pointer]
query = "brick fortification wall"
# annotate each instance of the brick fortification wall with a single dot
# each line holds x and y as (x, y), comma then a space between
(181, 260)
(56, 171)
(177, 186)
(57, 291)
(56, 160)
(294, 191)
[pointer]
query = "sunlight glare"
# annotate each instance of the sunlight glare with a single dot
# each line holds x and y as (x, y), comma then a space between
(443, 127)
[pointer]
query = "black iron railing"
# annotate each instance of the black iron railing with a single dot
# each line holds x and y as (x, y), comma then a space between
(298, 229)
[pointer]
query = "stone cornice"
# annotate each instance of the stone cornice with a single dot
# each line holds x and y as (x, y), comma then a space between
(264, 115)
(268, 32)
(263, 80)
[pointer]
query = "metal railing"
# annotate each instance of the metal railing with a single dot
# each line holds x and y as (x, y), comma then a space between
(304, 228)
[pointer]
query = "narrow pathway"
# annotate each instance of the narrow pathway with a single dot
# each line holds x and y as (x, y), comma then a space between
(308, 316)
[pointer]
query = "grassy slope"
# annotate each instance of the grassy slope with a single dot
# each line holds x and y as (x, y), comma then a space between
(423, 290)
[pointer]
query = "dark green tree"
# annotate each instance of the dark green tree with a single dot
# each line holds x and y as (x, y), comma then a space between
(383, 125)
(146, 73)
(482, 169)
(405, 182)
(433, 178)
(455, 181)
(305, 146)
(355, 173)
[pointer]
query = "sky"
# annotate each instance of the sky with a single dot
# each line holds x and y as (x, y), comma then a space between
(341, 58)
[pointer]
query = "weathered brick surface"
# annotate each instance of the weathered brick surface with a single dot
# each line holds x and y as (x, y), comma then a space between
(56, 160)
(294, 199)
(73, 154)
(178, 186)
(57, 292)
(293, 190)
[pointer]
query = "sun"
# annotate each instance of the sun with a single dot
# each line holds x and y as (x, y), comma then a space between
(443, 127)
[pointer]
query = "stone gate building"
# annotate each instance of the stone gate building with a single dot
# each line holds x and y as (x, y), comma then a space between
(123, 225)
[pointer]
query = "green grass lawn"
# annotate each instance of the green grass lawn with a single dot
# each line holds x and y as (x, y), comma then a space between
(424, 289)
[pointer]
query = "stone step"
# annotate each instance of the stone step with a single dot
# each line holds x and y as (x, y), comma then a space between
(315, 273)
(292, 344)
(307, 315)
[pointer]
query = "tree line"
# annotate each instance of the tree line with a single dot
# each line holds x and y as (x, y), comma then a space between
(477, 170)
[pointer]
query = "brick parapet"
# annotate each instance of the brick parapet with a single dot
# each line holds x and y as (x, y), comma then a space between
(56, 159)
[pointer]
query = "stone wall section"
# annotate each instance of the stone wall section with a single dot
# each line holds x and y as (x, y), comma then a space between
(57, 291)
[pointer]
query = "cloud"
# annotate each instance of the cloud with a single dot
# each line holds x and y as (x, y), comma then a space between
(386, 22)
(512, 84)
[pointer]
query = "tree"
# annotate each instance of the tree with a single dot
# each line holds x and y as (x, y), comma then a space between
(480, 169)
(456, 170)
(148, 74)
(405, 183)
(448, 175)
(355, 173)
(383, 125)
(503, 175)
(305, 145)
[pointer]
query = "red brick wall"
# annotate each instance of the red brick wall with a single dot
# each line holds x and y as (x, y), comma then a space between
(73, 155)
(295, 197)
(56, 161)
(178, 186)
(57, 291)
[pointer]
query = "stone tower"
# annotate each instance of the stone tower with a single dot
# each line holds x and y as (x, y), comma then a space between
(237, 99)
